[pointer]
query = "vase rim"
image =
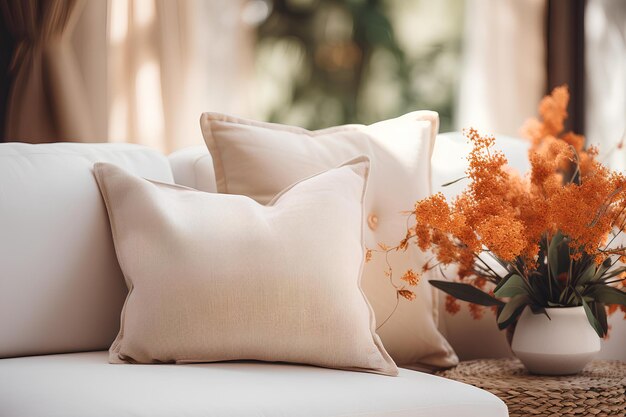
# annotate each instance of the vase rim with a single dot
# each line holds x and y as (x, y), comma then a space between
(565, 309)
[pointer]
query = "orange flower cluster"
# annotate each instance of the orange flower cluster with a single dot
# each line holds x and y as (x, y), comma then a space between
(410, 277)
(509, 216)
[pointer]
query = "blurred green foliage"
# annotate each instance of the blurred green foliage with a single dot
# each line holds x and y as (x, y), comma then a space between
(326, 62)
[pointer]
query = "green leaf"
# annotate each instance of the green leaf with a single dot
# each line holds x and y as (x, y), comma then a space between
(503, 281)
(599, 312)
(612, 273)
(502, 263)
(538, 310)
(606, 294)
(447, 184)
(603, 268)
(466, 292)
(553, 254)
(592, 319)
(573, 297)
(511, 320)
(513, 286)
(513, 308)
(587, 275)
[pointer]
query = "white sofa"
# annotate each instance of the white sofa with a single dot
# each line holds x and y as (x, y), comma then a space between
(61, 291)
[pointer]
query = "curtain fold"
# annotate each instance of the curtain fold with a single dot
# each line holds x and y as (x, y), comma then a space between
(605, 87)
(171, 60)
(47, 99)
(503, 74)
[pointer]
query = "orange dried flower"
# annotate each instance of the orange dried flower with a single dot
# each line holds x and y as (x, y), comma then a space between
(480, 282)
(503, 235)
(574, 140)
(452, 305)
(477, 312)
(567, 191)
(408, 294)
(569, 198)
(553, 111)
(411, 277)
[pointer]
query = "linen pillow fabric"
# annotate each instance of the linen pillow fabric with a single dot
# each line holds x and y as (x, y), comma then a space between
(259, 159)
(215, 277)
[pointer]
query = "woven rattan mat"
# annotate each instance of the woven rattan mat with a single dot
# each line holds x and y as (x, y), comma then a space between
(599, 390)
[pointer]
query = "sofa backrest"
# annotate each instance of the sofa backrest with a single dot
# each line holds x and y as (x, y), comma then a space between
(61, 289)
(193, 167)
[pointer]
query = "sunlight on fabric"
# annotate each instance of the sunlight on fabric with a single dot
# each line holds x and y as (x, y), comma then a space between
(149, 106)
(118, 120)
(118, 20)
(144, 12)
(605, 66)
(503, 64)
(162, 72)
(136, 103)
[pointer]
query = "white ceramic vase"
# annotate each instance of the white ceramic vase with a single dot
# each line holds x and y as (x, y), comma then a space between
(560, 345)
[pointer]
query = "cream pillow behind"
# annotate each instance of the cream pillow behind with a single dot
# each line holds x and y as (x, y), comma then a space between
(259, 159)
(215, 277)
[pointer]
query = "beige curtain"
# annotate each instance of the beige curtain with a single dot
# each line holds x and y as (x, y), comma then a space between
(46, 98)
(89, 41)
(605, 76)
(503, 69)
(169, 61)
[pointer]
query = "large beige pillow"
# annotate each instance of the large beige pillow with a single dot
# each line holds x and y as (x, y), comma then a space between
(260, 159)
(215, 277)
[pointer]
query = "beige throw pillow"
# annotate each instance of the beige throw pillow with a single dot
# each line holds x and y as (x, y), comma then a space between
(215, 277)
(259, 159)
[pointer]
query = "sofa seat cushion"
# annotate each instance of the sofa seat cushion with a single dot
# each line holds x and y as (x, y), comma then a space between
(86, 385)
